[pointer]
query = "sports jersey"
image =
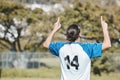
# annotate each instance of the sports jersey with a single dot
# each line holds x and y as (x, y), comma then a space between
(75, 58)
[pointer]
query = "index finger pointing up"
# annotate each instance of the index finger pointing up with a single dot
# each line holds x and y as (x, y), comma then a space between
(58, 20)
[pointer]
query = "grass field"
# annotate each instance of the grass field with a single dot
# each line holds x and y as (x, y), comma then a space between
(47, 74)
(52, 72)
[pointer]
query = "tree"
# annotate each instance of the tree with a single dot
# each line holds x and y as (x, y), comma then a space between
(15, 19)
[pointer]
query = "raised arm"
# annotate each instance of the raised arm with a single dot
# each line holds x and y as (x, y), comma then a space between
(57, 26)
(106, 41)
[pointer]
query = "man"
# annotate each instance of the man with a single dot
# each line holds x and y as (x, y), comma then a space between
(74, 55)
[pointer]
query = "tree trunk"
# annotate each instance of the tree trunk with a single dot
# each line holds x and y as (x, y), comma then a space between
(19, 45)
(18, 39)
(13, 46)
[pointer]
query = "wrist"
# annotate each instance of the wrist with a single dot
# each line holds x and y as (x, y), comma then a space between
(105, 29)
(54, 31)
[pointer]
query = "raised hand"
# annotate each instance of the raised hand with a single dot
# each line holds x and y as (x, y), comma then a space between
(103, 23)
(106, 41)
(57, 25)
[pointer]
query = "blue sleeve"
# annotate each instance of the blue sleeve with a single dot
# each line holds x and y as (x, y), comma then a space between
(55, 47)
(93, 49)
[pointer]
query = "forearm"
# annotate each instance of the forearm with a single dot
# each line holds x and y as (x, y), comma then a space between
(57, 26)
(49, 39)
(106, 41)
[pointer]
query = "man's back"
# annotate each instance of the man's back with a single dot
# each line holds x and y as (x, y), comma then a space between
(75, 63)
(75, 58)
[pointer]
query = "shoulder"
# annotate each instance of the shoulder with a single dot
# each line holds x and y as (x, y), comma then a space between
(57, 43)
(83, 44)
(92, 49)
(89, 44)
(54, 47)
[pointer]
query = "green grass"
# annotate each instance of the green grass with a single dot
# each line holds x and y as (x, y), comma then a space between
(111, 76)
(41, 72)
(46, 74)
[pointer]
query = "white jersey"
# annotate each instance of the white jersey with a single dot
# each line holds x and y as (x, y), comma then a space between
(75, 58)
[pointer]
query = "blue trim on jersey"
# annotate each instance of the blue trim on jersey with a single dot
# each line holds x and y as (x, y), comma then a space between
(55, 47)
(92, 49)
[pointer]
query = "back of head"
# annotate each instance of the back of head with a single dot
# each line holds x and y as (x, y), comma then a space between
(72, 32)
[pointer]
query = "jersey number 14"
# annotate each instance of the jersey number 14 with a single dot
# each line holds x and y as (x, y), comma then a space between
(72, 63)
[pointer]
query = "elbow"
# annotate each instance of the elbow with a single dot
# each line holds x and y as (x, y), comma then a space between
(45, 45)
(106, 46)
(109, 45)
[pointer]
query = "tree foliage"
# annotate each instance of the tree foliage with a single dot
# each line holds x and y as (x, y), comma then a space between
(15, 19)
(87, 16)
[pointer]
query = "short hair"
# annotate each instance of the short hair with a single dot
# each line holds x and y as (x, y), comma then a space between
(72, 32)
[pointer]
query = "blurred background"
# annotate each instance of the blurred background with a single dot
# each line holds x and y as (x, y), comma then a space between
(25, 24)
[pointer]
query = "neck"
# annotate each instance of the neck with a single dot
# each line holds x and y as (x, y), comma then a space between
(77, 40)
